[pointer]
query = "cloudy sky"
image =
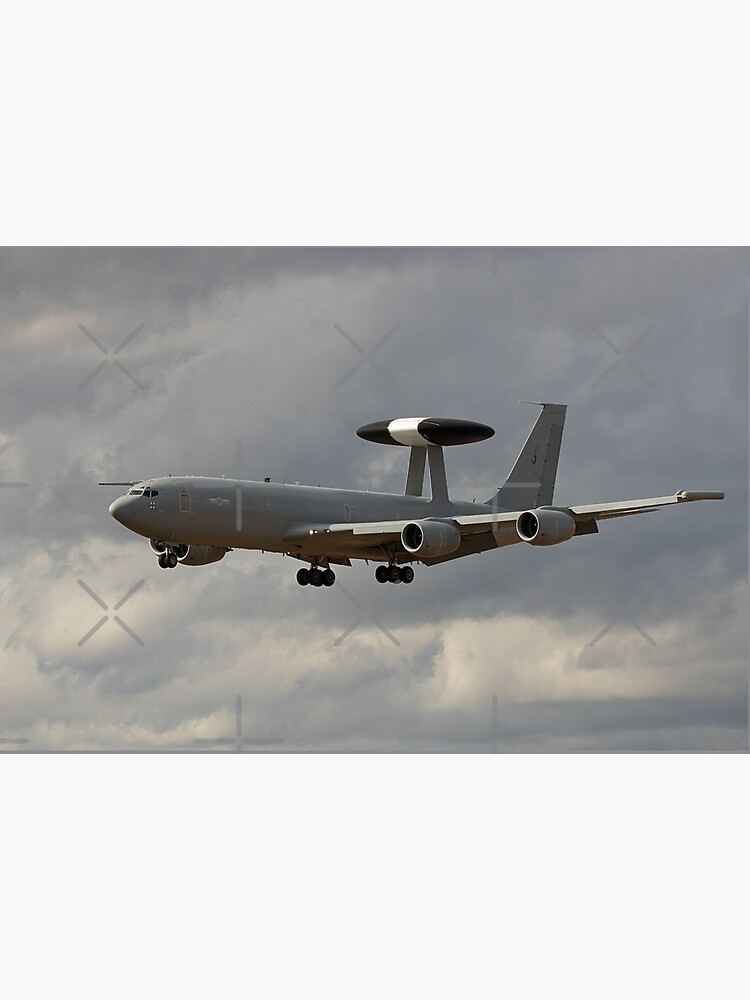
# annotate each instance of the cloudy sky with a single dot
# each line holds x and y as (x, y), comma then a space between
(238, 368)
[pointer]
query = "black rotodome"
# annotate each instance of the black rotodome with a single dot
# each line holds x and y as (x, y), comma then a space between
(435, 430)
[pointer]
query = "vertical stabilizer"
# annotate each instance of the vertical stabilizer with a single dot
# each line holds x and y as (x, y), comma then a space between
(531, 482)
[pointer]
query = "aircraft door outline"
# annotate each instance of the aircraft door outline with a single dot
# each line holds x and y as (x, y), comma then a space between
(186, 502)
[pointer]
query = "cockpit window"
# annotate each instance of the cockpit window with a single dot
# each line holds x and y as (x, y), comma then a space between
(138, 491)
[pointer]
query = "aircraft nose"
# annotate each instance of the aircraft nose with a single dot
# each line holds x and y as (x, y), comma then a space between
(117, 509)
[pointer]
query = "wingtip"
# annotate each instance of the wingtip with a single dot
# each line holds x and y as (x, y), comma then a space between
(686, 495)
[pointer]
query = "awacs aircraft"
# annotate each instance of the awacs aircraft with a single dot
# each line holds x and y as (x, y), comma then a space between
(195, 520)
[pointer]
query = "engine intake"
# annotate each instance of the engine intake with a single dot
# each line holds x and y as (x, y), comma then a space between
(545, 527)
(430, 538)
(199, 555)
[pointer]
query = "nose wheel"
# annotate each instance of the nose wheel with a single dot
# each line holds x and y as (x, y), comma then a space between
(394, 574)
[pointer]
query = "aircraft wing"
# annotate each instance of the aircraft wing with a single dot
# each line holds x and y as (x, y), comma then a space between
(623, 508)
(589, 512)
(372, 534)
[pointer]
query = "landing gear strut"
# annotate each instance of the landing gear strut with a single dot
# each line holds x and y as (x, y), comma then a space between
(394, 574)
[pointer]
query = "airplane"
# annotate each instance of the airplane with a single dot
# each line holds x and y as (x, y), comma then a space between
(194, 521)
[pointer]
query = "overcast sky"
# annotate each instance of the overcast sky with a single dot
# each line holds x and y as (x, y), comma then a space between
(239, 369)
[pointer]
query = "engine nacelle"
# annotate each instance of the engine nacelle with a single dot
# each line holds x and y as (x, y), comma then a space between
(430, 538)
(545, 527)
(199, 555)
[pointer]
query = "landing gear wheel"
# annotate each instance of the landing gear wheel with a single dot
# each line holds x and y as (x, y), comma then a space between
(329, 578)
(394, 574)
(316, 577)
(162, 560)
(407, 574)
(171, 560)
(381, 574)
(303, 577)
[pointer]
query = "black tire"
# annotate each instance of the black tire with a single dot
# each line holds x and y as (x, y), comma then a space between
(407, 574)
(303, 577)
(162, 560)
(316, 577)
(329, 578)
(171, 560)
(381, 574)
(394, 574)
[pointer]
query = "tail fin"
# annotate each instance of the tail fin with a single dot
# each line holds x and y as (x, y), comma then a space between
(531, 482)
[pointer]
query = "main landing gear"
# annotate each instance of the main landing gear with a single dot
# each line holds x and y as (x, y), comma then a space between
(167, 560)
(394, 574)
(316, 577)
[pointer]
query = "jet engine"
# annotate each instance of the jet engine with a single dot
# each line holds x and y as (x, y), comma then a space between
(199, 555)
(430, 538)
(188, 555)
(545, 527)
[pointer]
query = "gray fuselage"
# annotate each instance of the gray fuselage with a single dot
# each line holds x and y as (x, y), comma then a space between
(233, 513)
